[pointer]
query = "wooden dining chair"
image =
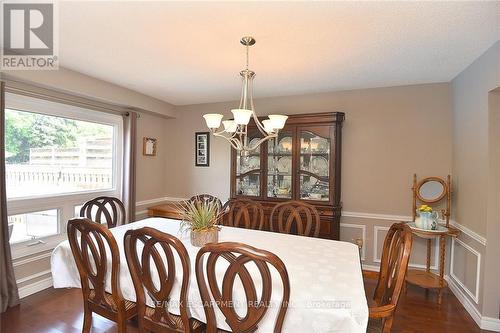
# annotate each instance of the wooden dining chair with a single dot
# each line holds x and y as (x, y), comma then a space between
(155, 246)
(295, 217)
(206, 197)
(104, 209)
(243, 213)
(90, 244)
(237, 256)
(393, 266)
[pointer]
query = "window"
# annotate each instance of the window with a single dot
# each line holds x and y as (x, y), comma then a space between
(57, 156)
(48, 155)
(33, 225)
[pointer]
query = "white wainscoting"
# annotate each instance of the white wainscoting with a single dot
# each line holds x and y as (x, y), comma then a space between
(140, 204)
(473, 294)
(363, 228)
(27, 260)
(36, 286)
(377, 259)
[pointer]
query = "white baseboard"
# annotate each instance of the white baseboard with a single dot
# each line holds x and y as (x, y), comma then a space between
(35, 287)
(462, 298)
(372, 268)
(490, 324)
(485, 323)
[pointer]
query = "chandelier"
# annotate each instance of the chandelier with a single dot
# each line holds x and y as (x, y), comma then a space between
(236, 131)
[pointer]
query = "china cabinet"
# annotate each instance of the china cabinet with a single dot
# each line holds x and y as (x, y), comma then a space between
(302, 163)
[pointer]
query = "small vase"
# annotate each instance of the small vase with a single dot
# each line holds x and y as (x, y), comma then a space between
(201, 237)
(427, 221)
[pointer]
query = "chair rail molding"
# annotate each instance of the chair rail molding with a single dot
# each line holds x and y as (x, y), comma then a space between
(157, 200)
(406, 218)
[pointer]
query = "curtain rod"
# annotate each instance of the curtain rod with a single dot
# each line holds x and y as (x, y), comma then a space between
(50, 94)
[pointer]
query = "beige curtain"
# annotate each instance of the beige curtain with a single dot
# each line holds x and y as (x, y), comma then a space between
(8, 287)
(129, 153)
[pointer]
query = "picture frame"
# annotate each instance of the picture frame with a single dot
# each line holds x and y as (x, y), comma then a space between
(202, 149)
(149, 146)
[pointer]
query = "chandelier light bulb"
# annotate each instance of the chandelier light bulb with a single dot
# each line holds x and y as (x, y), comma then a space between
(213, 120)
(278, 121)
(230, 126)
(242, 116)
(268, 126)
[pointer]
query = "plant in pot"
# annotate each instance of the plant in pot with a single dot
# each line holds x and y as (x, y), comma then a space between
(201, 217)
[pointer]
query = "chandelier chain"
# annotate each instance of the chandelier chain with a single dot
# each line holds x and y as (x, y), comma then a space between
(247, 55)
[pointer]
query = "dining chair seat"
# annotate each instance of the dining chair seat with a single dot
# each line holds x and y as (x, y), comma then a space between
(374, 325)
(196, 325)
(129, 305)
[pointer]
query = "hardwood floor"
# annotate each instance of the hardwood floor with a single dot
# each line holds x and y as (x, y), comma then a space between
(60, 310)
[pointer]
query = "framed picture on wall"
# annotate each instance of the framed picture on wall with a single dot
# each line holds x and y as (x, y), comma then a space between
(202, 149)
(149, 146)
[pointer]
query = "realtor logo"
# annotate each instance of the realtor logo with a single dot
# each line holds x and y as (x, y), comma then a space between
(28, 32)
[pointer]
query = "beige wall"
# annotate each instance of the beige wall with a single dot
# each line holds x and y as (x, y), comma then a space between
(491, 305)
(151, 176)
(475, 168)
(79, 84)
(389, 134)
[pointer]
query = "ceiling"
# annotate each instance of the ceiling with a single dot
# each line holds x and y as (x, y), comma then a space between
(189, 53)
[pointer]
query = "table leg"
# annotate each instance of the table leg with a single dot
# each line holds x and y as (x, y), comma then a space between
(442, 254)
(429, 251)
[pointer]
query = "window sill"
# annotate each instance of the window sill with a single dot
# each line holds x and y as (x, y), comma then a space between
(22, 250)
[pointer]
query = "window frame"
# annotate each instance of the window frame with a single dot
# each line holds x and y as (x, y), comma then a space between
(64, 202)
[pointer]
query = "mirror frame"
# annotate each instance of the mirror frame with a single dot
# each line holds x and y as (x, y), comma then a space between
(429, 179)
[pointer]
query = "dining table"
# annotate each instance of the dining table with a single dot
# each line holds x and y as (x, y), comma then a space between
(326, 285)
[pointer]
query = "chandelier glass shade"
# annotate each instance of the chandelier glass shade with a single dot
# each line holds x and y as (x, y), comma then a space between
(235, 131)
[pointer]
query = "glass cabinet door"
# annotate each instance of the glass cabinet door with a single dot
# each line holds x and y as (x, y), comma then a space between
(248, 171)
(314, 163)
(279, 166)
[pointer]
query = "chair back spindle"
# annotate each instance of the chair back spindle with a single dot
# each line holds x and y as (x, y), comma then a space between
(89, 242)
(394, 263)
(243, 213)
(205, 198)
(104, 209)
(237, 256)
(391, 278)
(147, 265)
(295, 217)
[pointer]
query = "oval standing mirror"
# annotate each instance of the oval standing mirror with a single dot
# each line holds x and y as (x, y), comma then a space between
(431, 190)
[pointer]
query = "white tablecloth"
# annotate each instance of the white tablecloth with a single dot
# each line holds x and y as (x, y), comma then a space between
(326, 283)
